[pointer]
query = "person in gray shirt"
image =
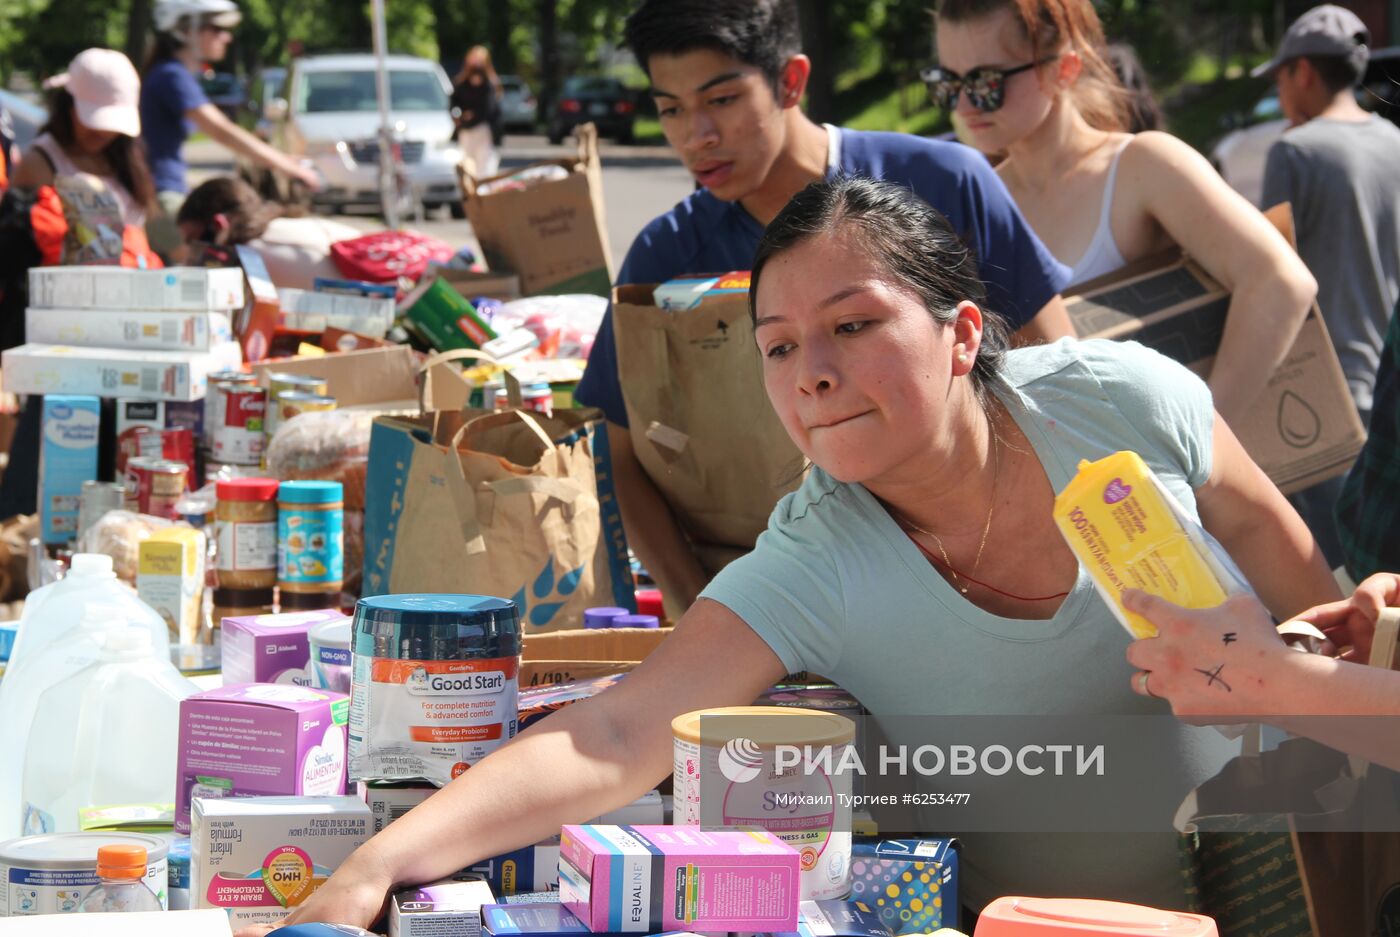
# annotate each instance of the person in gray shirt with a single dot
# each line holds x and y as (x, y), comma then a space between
(1337, 166)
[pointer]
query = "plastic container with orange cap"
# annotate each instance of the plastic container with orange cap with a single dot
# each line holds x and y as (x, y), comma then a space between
(121, 867)
(1084, 917)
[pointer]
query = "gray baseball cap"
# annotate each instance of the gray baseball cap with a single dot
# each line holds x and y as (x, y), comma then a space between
(1324, 31)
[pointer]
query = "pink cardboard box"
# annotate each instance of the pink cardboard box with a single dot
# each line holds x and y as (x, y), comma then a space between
(271, 648)
(646, 879)
(260, 740)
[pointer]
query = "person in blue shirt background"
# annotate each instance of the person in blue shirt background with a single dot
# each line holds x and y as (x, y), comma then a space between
(728, 78)
(190, 34)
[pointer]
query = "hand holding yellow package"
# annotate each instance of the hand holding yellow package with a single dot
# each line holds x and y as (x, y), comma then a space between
(1129, 532)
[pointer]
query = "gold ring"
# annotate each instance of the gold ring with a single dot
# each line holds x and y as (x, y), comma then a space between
(1142, 683)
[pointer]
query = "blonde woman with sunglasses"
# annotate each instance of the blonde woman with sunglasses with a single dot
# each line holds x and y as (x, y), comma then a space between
(1030, 79)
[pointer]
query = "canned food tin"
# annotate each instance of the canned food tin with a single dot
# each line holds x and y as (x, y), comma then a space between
(280, 383)
(51, 874)
(538, 398)
(155, 486)
(211, 397)
(236, 436)
(293, 403)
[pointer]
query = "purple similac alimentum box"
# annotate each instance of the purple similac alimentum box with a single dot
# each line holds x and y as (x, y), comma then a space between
(260, 740)
(271, 648)
(646, 879)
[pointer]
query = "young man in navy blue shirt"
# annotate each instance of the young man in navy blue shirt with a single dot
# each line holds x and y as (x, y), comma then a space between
(728, 77)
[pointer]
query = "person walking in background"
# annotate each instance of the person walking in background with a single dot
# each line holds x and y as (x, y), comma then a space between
(476, 99)
(189, 35)
(81, 195)
(1336, 165)
(1029, 77)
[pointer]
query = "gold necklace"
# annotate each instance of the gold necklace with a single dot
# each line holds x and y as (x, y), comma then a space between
(986, 527)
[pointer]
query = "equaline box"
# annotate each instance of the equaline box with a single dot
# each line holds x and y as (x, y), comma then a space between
(67, 458)
(448, 907)
(145, 329)
(271, 648)
(111, 372)
(647, 879)
(261, 857)
(255, 740)
(197, 289)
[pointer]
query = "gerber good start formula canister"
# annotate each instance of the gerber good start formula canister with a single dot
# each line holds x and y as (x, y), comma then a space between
(435, 682)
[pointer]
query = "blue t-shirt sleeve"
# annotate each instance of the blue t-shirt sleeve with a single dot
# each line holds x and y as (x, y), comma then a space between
(185, 92)
(652, 258)
(1020, 273)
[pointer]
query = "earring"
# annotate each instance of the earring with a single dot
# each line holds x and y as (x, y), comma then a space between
(962, 357)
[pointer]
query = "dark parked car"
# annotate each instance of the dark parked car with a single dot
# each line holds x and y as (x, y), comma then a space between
(605, 102)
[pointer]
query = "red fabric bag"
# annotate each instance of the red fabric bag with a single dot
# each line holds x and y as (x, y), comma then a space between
(385, 256)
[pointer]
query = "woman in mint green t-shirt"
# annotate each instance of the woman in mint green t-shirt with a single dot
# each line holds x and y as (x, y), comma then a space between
(918, 565)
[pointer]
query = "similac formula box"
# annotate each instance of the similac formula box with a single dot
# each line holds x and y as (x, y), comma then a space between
(272, 648)
(148, 329)
(198, 289)
(67, 458)
(170, 579)
(114, 372)
(255, 740)
(448, 907)
(646, 879)
(259, 858)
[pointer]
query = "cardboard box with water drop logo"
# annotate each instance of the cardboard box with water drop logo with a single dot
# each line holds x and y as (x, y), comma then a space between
(1303, 427)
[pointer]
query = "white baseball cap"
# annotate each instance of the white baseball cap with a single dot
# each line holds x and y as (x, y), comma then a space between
(106, 91)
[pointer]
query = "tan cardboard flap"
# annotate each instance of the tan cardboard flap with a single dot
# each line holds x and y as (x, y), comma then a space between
(356, 378)
(1303, 428)
(492, 284)
(597, 644)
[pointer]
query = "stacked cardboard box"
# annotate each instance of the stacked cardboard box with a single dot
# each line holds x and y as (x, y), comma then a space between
(116, 332)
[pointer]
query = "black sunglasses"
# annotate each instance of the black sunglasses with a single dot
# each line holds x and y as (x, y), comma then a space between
(985, 87)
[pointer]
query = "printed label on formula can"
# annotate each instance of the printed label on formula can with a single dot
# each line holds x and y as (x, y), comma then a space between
(807, 805)
(430, 719)
(25, 890)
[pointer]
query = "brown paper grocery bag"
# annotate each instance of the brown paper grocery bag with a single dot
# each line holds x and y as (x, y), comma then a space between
(700, 419)
(552, 234)
(509, 504)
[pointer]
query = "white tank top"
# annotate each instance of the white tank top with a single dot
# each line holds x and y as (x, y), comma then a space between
(1102, 255)
(131, 213)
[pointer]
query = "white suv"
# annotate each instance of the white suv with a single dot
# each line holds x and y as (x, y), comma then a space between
(330, 118)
